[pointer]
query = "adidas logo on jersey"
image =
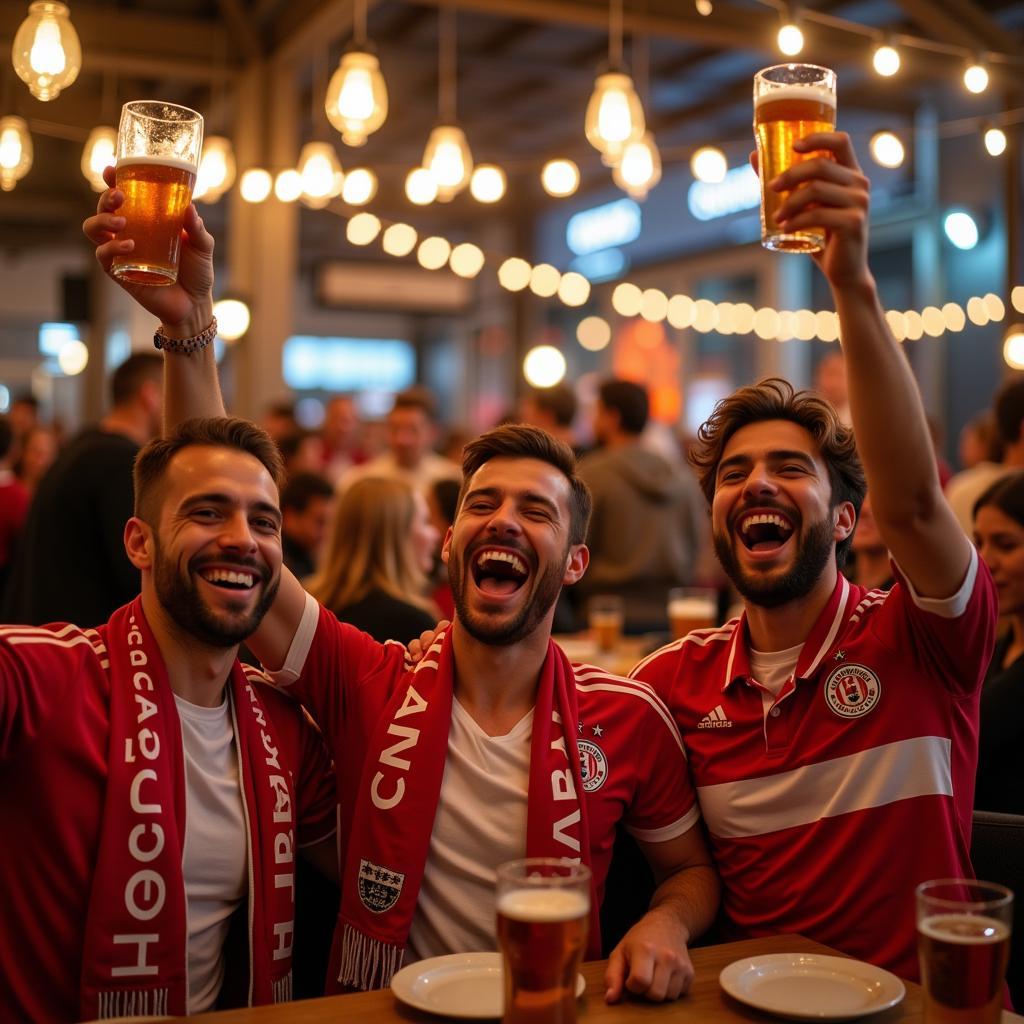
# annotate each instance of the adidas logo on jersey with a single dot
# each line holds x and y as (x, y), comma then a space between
(715, 720)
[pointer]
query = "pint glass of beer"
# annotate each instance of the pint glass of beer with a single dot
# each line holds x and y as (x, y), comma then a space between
(790, 101)
(691, 608)
(158, 147)
(963, 943)
(543, 908)
(605, 617)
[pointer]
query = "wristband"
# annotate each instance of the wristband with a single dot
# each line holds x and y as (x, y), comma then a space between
(186, 346)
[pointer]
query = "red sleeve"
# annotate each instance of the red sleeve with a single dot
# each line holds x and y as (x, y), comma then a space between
(317, 816)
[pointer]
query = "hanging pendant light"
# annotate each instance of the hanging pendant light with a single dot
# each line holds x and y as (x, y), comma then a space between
(15, 151)
(322, 177)
(216, 173)
(97, 155)
(357, 98)
(639, 169)
(47, 54)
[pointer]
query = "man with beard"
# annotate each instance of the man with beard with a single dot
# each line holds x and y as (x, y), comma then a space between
(832, 731)
(154, 792)
(494, 746)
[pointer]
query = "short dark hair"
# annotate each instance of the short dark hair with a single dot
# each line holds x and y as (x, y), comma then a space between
(1006, 494)
(559, 401)
(302, 488)
(776, 399)
(214, 432)
(519, 441)
(446, 493)
(133, 373)
(6, 436)
(417, 398)
(627, 399)
(1009, 409)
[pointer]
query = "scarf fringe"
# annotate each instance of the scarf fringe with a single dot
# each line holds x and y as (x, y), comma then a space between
(282, 989)
(125, 1002)
(367, 963)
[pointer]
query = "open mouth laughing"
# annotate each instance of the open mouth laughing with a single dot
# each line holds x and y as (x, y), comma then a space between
(764, 532)
(499, 572)
(236, 580)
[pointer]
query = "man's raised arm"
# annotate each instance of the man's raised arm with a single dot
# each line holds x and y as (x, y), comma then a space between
(913, 517)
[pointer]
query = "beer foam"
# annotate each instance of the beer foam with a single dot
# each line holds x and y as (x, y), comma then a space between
(692, 606)
(981, 931)
(809, 93)
(543, 905)
(157, 161)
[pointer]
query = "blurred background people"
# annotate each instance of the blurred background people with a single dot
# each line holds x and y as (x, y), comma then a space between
(340, 436)
(37, 453)
(979, 441)
(649, 520)
(71, 564)
(830, 383)
(307, 501)
(552, 409)
(870, 564)
(380, 552)
(999, 534)
(302, 452)
(14, 499)
(443, 503)
(410, 455)
(23, 416)
(279, 420)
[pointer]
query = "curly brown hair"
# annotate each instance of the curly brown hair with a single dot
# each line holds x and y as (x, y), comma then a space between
(776, 399)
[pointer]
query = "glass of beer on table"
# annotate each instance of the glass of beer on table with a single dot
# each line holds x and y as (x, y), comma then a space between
(691, 608)
(790, 102)
(605, 617)
(963, 943)
(543, 909)
(158, 147)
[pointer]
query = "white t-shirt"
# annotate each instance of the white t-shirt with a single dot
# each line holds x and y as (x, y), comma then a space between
(480, 822)
(772, 668)
(215, 857)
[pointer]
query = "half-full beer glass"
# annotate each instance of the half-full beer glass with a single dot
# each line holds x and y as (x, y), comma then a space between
(158, 147)
(790, 101)
(543, 908)
(963, 942)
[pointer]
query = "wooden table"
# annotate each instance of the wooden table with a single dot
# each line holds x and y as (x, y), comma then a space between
(706, 1003)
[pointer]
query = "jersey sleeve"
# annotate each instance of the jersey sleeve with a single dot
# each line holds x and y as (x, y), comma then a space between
(664, 804)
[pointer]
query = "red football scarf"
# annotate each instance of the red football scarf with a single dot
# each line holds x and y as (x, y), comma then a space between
(398, 797)
(136, 937)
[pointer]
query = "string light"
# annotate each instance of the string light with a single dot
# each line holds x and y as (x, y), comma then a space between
(995, 141)
(47, 54)
(320, 170)
(708, 164)
(681, 311)
(593, 333)
(448, 159)
(488, 183)
(887, 150)
(420, 186)
(467, 260)
(288, 185)
(639, 168)
(627, 299)
(256, 185)
(362, 229)
(886, 60)
(360, 186)
(514, 274)
(73, 357)
(790, 39)
(653, 305)
(544, 366)
(1013, 347)
(15, 151)
(216, 173)
(573, 289)
(399, 240)
(433, 252)
(97, 155)
(356, 102)
(975, 78)
(560, 178)
(544, 280)
(233, 318)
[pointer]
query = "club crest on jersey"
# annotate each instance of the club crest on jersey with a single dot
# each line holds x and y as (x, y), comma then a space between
(852, 690)
(593, 765)
(379, 888)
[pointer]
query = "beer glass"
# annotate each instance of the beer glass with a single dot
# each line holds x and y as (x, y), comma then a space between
(691, 608)
(605, 615)
(158, 147)
(543, 910)
(963, 943)
(790, 101)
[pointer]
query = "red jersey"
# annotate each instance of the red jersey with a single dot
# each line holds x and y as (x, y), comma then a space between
(828, 804)
(54, 747)
(631, 755)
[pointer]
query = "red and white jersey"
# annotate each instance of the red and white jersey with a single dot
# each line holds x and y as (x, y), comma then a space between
(631, 754)
(827, 805)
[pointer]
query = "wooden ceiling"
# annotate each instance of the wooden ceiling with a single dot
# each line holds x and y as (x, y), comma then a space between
(525, 71)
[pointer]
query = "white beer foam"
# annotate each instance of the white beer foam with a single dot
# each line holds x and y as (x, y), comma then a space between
(812, 93)
(692, 606)
(944, 928)
(543, 905)
(157, 161)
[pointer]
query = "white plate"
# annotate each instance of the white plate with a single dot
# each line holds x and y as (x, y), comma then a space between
(807, 986)
(458, 985)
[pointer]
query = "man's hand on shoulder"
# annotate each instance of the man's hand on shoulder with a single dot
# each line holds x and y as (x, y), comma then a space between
(418, 648)
(651, 960)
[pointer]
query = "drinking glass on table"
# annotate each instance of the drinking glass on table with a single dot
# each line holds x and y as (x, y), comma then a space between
(963, 943)
(605, 616)
(691, 608)
(790, 102)
(158, 148)
(543, 910)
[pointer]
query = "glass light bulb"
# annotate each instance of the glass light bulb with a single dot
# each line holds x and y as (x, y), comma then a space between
(97, 155)
(47, 54)
(288, 185)
(15, 151)
(357, 97)
(233, 318)
(449, 160)
(321, 174)
(256, 185)
(976, 79)
(360, 186)
(639, 170)
(399, 240)
(1013, 347)
(887, 149)
(420, 186)
(708, 164)
(995, 141)
(467, 260)
(216, 173)
(790, 40)
(544, 366)
(487, 184)
(614, 115)
(560, 178)
(886, 61)
(73, 357)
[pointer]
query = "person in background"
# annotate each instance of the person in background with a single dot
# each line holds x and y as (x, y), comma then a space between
(552, 409)
(649, 521)
(830, 382)
(340, 435)
(307, 501)
(999, 534)
(302, 451)
(979, 441)
(443, 502)
(375, 568)
(828, 719)
(871, 567)
(410, 456)
(38, 452)
(71, 564)
(23, 415)
(14, 501)
(279, 420)
(964, 489)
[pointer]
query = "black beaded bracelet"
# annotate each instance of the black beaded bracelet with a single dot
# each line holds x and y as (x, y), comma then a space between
(185, 346)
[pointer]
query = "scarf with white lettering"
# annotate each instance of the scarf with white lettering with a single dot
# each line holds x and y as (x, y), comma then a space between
(136, 934)
(398, 797)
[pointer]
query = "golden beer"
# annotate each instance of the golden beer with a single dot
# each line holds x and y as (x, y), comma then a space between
(542, 934)
(157, 194)
(790, 102)
(686, 614)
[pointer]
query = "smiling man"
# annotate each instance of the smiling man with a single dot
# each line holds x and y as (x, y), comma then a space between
(832, 731)
(154, 791)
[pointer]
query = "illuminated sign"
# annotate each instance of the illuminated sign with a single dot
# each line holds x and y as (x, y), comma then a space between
(348, 364)
(603, 226)
(603, 265)
(739, 190)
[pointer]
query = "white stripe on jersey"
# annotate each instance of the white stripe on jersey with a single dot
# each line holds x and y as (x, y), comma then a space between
(50, 640)
(699, 637)
(874, 777)
(39, 631)
(616, 685)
